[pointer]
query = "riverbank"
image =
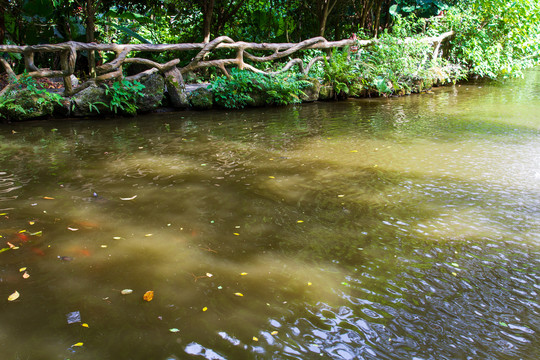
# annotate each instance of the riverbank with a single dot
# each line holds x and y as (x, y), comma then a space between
(42, 100)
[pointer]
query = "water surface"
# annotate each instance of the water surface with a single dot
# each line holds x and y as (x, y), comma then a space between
(401, 228)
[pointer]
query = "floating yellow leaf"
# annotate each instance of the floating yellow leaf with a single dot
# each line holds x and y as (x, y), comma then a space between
(31, 222)
(103, 246)
(22, 269)
(340, 196)
(116, 237)
(237, 234)
(148, 296)
(244, 273)
(454, 274)
(299, 221)
(271, 177)
(309, 283)
(84, 325)
(255, 339)
(78, 344)
(209, 275)
(148, 235)
(238, 294)
(274, 333)
(354, 151)
(204, 308)
(14, 296)
(26, 275)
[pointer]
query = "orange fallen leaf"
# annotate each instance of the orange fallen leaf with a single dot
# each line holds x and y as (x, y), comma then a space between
(26, 275)
(148, 296)
(48, 198)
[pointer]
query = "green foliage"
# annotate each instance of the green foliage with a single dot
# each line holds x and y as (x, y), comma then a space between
(284, 89)
(8, 105)
(123, 96)
(494, 38)
(25, 81)
(340, 72)
(233, 92)
(391, 66)
(239, 89)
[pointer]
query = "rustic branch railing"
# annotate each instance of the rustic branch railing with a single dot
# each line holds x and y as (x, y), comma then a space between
(113, 69)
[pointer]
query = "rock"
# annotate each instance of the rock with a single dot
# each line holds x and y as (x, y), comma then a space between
(311, 93)
(26, 104)
(201, 98)
(90, 102)
(63, 108)
(154, 90)
(326, 93)
(176, 88)
(257, 99)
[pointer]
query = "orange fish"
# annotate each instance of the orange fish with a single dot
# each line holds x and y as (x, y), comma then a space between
(37, 251)
(23, 237)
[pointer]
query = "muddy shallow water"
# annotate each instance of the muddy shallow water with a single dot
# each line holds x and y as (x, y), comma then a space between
(402, 228)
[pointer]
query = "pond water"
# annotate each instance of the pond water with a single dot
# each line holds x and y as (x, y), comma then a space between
(401, 228)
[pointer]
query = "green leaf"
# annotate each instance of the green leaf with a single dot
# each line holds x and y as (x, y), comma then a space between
(130, 32)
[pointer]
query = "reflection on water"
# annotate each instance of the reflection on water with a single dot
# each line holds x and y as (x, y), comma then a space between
(401, 228)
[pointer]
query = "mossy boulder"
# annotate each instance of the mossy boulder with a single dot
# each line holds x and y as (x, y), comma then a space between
(154, 90)
(201, 98)
(26, 104)
(90, 102)
(176, 88)
(311, 92)
(326, 93)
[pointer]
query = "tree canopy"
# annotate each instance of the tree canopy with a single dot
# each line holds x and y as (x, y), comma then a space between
(493, 37)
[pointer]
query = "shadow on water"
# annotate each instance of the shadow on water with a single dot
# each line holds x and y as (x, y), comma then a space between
(378, 229)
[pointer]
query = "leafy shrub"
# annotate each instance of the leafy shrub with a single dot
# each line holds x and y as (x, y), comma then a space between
(36, 99)
(124, 95)
(494, 38)
(238, 90)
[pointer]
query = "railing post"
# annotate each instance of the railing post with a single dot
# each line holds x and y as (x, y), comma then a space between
(29, 61)
(68, 59)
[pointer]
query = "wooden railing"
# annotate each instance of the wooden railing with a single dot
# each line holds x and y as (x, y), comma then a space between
(113, 69)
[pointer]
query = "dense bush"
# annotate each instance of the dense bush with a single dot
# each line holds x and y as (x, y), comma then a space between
(244, 87)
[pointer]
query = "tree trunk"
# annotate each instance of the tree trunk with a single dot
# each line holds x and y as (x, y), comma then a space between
(377, 18)
(2, 25)
(225, 14)
(90, 36)
(208, 11)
